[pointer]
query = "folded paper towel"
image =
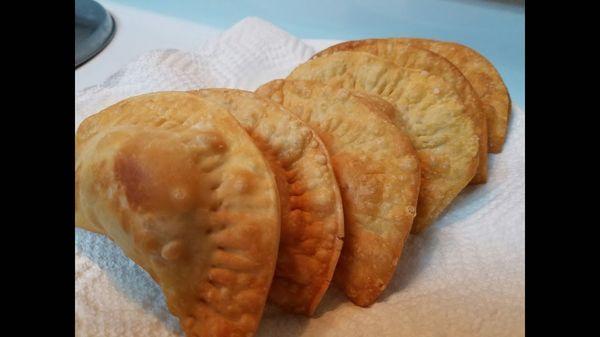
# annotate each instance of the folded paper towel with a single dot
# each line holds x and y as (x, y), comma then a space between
(463, 277)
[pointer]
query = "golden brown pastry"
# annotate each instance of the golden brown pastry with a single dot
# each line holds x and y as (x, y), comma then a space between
(425, 60)
(427, 108)
(378, 172)
(176, 182)
(484, 78)
(312, 218)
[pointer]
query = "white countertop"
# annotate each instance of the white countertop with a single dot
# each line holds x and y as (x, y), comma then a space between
(138, 31)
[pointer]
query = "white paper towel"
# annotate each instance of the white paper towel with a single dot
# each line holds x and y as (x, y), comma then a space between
(463, 277)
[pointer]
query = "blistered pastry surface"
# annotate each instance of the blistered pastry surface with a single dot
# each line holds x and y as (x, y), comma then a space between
(378, 172)
(427, 108)
(176, 182)
(412, 57)
(312, 216)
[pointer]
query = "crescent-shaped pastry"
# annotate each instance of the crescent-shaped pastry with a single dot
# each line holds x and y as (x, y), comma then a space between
(484, 78)
(431, 112)
(378, 172)
(176, 182)
(425, 60)
(312, 218)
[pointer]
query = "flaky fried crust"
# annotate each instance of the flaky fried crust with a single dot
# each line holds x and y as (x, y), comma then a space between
(312, 218)
(378, 172)
(484, 78)
(177, 183)
(425, 60)
(427, 108)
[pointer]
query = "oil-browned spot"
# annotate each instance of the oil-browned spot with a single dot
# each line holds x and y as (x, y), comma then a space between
(157, 174)
(131, 175)
(216, 205)
(215, 185)
(172, 250)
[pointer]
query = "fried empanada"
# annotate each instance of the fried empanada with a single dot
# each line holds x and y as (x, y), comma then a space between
(427, 108)
(312, 218)
(378, 172)
(484, 78)
(175, 181)
(423, 59)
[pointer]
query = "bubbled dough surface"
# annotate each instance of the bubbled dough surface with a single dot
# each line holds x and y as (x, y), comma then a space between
(311, 214)
(422, 59)
(378, 173)
(484, 78)
(427, 108)
(180, 187)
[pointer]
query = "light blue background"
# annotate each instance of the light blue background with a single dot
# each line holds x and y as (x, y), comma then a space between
(493, 27)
